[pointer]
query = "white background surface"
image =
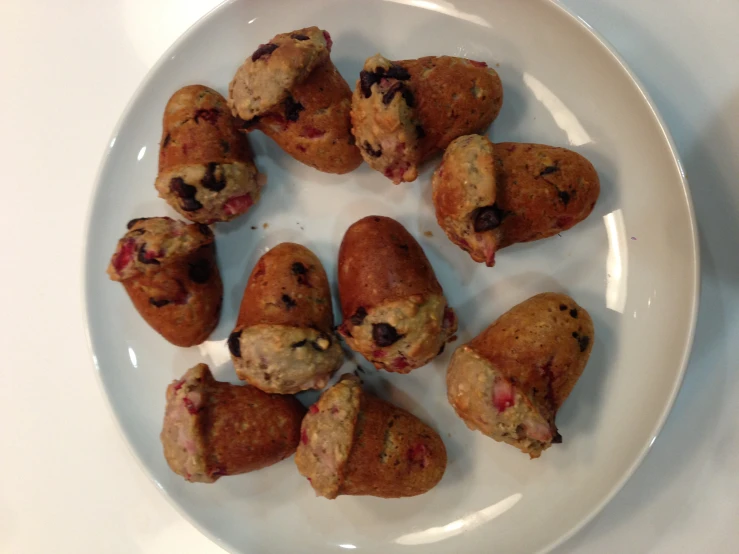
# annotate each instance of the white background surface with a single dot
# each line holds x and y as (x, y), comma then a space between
(68, 481)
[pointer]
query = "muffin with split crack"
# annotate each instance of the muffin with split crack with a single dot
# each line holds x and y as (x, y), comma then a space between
(353, 443)
(169, 271)
(488, 196)
(212, 429)
(291, 91)
(395, 312)
(206, 171)
(510, 380)
(403, 112)
(284, 340)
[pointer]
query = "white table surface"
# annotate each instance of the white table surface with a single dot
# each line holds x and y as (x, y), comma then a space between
(69, 483)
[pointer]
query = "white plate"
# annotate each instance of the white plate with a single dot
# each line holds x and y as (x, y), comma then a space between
(632, 264)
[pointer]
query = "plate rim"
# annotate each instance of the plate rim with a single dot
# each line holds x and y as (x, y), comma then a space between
(695, 274)
(696, 277)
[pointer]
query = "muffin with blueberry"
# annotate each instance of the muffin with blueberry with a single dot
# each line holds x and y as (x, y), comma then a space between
(404, 112)
(291, 91)
(284, 339)
(488, 196)
(395, 312)
(206, 171)
(169, 271)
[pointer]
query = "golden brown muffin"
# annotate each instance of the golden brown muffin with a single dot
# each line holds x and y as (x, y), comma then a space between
(270, 73)
(213, 428)
(169, 271)
(541, 190)
(206, 171)
(454, 97)
(510, 380)
(284, 340)
(296, 96)
(404, 112)
(395, 312)
(353, 443)
(312, 124)
(490, 196)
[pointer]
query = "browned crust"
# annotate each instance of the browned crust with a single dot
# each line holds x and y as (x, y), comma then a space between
(321, 137)
(539, 201)
(444, 104)
(380, 261)
(183, 323)
(272, 435)
(278, 293)
(542, 346)
(411, 466)
(238, 428)
(198, 128)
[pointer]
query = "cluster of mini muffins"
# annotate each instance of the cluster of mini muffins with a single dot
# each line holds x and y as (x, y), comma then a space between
(508, 382)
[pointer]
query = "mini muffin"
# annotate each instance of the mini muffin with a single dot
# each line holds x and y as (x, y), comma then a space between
(353, 443)
(284, 340)
(312, 124)
(404, 112)
(169, 271)
(290, 90)
(206, 171)
(510, 380)
(213, 428)
(270, 73)
(395, 312)
(490, 196)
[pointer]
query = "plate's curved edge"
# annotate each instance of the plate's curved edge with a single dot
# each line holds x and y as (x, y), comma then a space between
(84, 281)
(696, 278)
(694, 307)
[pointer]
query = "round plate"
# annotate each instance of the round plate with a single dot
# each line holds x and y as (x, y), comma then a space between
(633, 264)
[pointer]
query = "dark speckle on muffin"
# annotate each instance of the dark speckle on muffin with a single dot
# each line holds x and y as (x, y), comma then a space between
(289, 302)
(358, 316)
(487, 218)
(371, 151)
(292, 109)
(263, 50)
(234, 343)
(199, 271)
(385, 334)
(209, 180)
(366, 80)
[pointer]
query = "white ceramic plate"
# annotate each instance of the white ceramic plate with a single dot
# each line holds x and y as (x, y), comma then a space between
(632, 264)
